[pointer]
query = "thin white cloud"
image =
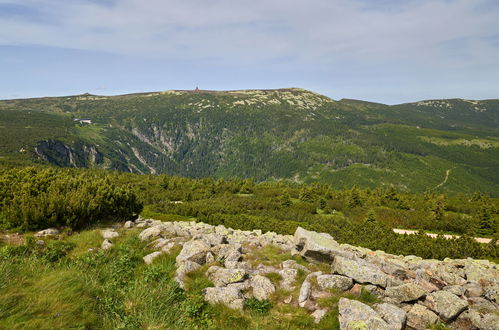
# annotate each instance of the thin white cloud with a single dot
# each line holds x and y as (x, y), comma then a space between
(440, 39)
(255, 30)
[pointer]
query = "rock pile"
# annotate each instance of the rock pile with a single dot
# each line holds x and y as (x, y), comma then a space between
(413, 293)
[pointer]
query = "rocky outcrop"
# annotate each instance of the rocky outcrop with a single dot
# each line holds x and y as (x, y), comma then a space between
(412, 292)
(355, 315)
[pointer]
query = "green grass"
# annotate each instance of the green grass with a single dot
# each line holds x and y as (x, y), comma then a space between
(114, 289)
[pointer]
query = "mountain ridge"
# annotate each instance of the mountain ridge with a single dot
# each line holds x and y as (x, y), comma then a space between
(289, 133)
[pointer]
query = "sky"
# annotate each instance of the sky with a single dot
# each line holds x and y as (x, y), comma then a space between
(389, 51)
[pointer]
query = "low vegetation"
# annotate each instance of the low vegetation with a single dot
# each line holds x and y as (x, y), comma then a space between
(36, 198)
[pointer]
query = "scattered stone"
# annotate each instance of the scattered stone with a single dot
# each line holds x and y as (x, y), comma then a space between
(355, 315)
(262, 287)
(315, 246)
(458, 290)
(223, 276)
(359, 271)
(183, 269)
(40, 243)
(128, 224)
(227, 252)
(159, 243)
(210, 258)
(342, 283)
(468, 319)
(492, 293)
(106, 244)
(305, 291)
(482, 305)
(214, 239)
(238, 264)
(393, 315)
(490, 322)
(150, 233)
(288, 278)
(288, 300)
(167, 248)
(229, 296)
(447, 305)
(473, 289)
(109, 233)
(195, 250)
(291, 264)
(148, 259)
(419, 317)
(47, 232)
(319, 314)
(406, 292)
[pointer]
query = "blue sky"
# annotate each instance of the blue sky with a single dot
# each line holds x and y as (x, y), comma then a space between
(378, 50)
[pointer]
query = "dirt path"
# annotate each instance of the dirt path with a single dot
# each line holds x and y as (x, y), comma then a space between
(405, 231)
(445, 179)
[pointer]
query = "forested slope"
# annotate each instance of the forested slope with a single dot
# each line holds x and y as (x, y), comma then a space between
(442, 145)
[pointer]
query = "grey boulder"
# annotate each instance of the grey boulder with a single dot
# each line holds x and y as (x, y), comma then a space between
(262, 287)
(355, 315)
(195, 251)
(359, 271)
(339, 282)
(447, 305)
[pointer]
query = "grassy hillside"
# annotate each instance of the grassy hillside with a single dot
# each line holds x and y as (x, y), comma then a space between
(445, 146)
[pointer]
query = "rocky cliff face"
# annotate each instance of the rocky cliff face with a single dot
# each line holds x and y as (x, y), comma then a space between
(412, 293)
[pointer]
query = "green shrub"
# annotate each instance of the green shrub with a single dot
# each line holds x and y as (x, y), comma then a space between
(34, 198)
(258, 307)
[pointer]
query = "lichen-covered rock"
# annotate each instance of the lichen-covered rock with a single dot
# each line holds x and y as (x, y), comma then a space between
(458, 290)
(340, 282)
(490, 322)
(393, 315)
(291, 264)
(475, 271)
(168, 247)
(222, 276)
(355, 315)
(315, 246)
(195, 250)
(318, 314)
(288, 278)
(359, 271)
(262, 287)
(106, 244)
(183, 269)
(109, 233)
(447, 305)
(227, 252)
(467, 320)
(419, 317)
(405, 292)
(492, 293)
(305, 290)
(47, 232)
(128, 224)
(229, 296)
(482, 305)
(214, 239)
(150, 233)
(473, 289)
(148, 259)
(210, 258)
